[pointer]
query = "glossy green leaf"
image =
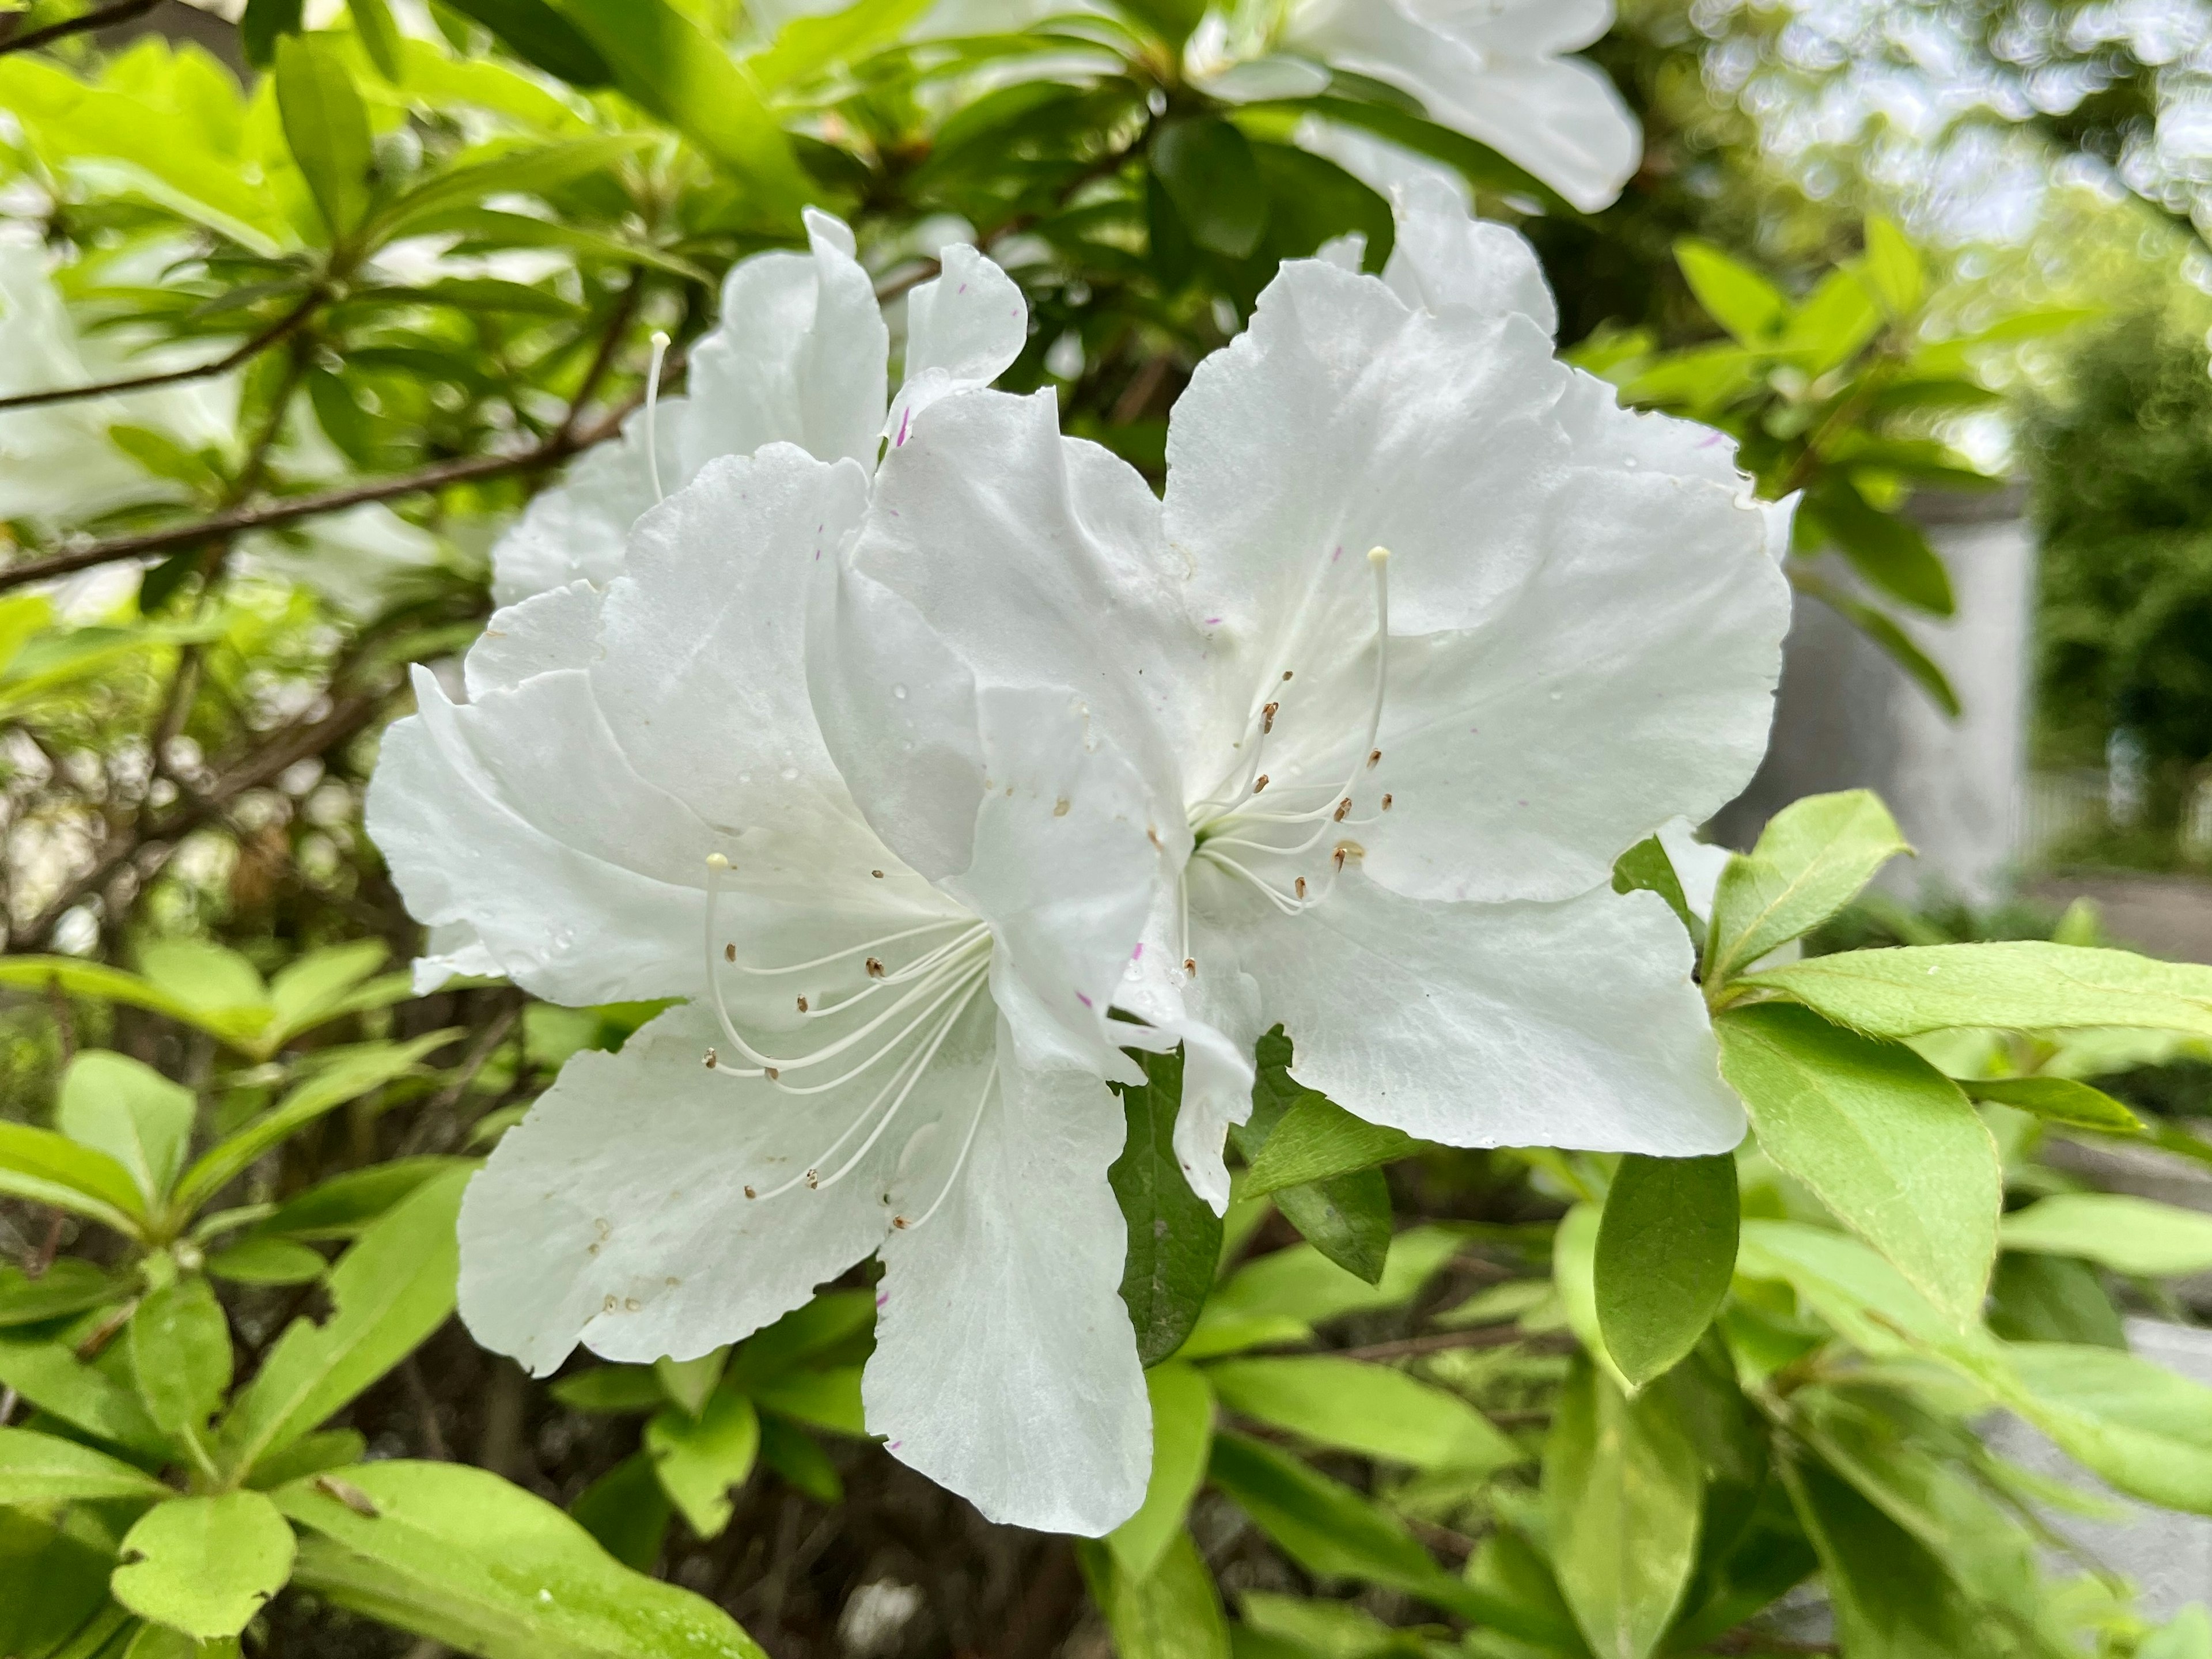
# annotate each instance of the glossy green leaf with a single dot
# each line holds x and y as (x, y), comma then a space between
(538, 34)
(1183, 1439)
(1173, 1612)
(798, 1458)
(263, 24)
(459, 1555)
(2058, 1100)
(2129, 1235)
(179, 1347)
(1369, 1409)
(2016, 984)
(388, 1292)
(1645, 867)
(70, 1285)
(1889, 550)
(1736, 296)
(1811, 861)
(1891, 1596)
(326, 125)
(1175, 1238)
(1622, 1491)
(1317, 1138)
(445, 196)
(43, 1469)
(48, 1168)
(1665, 1252)
(130, 1111)
(627, 1511)
(700, 1460)
(1345, 1213)
(1882, 1137)
(205, 1565)
(1206, 167)
(826, 1399)
(611, 1389)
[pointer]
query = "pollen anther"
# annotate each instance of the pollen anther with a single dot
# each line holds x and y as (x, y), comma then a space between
(1343, 807)
(875, 967)
(711, 1058)
(802, 1005)
(1267, 717)
(729, 952)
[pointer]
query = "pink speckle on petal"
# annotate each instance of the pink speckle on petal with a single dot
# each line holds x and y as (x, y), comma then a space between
(906, 420)
(1081, 998)
(1213, 621)
(894, 1445)
(1137, 955)
(883, 1297)
(1338, 554)
(1709, 440)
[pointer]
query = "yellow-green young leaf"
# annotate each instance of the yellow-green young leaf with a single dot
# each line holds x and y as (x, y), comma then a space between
(1894, 268)
(93, 979)
(326, 125)
(1314, 1624)
(179, 1345)
(1666, 1251)
(205, 1565)
(1812, 859)
(2059, 1099)
(1858, 1292)
(2016, 984)
(2187, 1635)
(1623, 1487)
(459, 1555)
(379, 35)
(1894, 1600)
(41, 1468)
(1833, 324)
(1173, 1612)
(1325, 1527)
(1369, 1409)
(1733, 296)
(701, 1459)
(2128, 1235)
(52, 1378)
(1182, 1438)
(1175, 1238)
(307, 989)
(70, 1285)
(255, 1261)
(1574, 1273)
(611, 1389)
(48, 1168)
(1645, 867)
(206, 977)
(689, 1382)
(2145, 1429)
(1882, 1137)
(388, 1292)
(805, 47)
(160, 1642)
(664, 62)
(826, 1399)
(130, 1111)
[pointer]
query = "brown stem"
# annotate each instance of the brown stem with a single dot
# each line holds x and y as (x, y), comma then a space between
(102, 17)
(1487, 1336)
(602, 360)
(272, 335)
(425, 1131)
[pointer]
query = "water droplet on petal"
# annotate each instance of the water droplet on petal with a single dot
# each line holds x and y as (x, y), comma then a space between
(899, 691)
(790, 773)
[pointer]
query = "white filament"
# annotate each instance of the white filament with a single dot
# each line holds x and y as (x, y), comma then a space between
(652, 413)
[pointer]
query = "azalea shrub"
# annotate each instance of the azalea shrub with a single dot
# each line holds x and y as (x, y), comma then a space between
(943, 751)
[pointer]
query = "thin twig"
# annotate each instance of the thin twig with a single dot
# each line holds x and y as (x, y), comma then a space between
(602, 360)
(480, 1053)
(104, 17)
(426, 1410)
(1486, 1336)
(272, 335)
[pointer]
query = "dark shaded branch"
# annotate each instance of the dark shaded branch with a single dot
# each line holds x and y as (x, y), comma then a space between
(1486, 1336)
(100, 17)
(246, 351)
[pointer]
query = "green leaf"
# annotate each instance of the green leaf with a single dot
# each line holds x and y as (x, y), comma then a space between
(700, 1460)
(1953, 356)
(259, 1261)
(1574, 1274)
(1892, 1598)
(2058, 1100)
(611, 1389)
(2015, 985)
(2145, 1429)
(2129, 1235)
(341, 1207)
(1623, 1487)
(628, 1512)
(56, 1380)
(798, 1457)
(1175, 1238)
(160, 1642)
(1834, 323)
(690, 1382)
(350, 1075)
(378, 36)
(1174, 1612)
(1317, 1138)
(446, 196)
(130, 1111)
(1369, 1409)
(828, 1399)
(180, 1346)
(1812, 859)
(1898, 644)
(312, 1453)
(326, 125)
(460, 1556)
(806, 46)
(265, 23)
(1183, 1439)
(1882, 1137)
(313, 988)
(1665, 1252)
(665, 63)
(539, 35)
(70, 1285)
(42, 1469)
(2052, 1298)
(1894, 268)
(836, 1328)
(48, 1168)
(57, 1577)
(1733, 296)
(2187, 1635)
(1345, 1216)
(205, 1565)
(1645, 867)
(1856, 1290)
(1304, 1285)
(388, 1292)
(1889, 550)
(1207, 169)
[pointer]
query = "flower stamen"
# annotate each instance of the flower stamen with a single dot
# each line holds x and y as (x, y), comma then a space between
(653, 413)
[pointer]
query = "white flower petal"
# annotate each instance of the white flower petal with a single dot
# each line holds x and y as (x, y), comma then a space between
(452, 951)
(1217, 1091)
(1572, 1025)
(615, 1213)
(556, 629)
(963, 331)
(1697, 865)
(1005, 1365)
(575, 529)
(519, 816)
(797, 358)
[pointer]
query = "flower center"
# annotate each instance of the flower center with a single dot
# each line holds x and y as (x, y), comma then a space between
(1265, 845)
(901, 1014)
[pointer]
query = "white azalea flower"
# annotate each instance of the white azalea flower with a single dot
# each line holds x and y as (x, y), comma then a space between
(881, 1054)
(798, 356)
(1390, 785)
(1493, 69)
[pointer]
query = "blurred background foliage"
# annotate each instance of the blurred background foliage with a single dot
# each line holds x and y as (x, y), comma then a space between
(358, 279)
